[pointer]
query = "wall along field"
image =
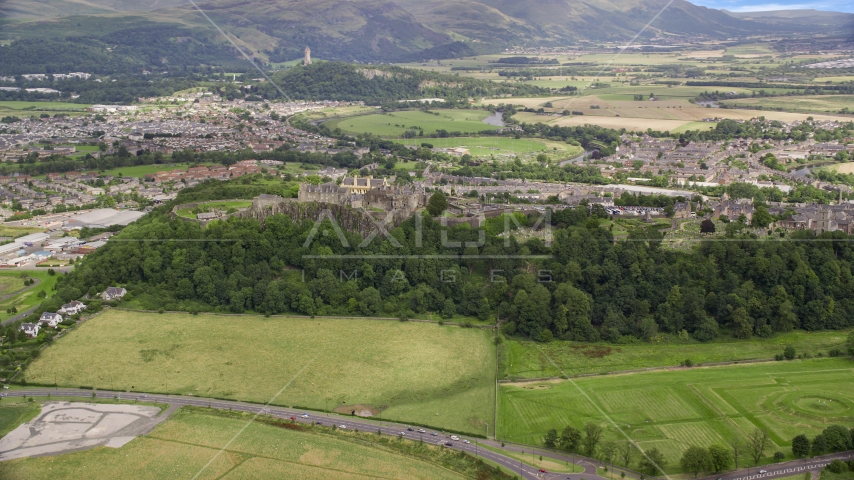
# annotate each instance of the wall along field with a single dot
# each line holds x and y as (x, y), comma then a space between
(671, 410)
(421, 373)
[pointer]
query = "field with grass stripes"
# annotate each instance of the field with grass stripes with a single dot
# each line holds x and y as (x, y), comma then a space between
(672, 410)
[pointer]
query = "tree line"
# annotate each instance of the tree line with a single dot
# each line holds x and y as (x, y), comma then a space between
(585, 286)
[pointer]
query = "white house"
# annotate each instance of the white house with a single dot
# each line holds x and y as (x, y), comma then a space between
(113, 293)
(30, 329)
(72, 308)
(50, 319)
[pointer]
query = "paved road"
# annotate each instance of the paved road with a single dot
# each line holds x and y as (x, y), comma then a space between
(786, 469)
(21, 315)
(391, 428)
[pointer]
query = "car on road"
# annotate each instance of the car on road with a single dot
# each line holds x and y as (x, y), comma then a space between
(5, 387)
(421, 430)
(317, 422)
(466, 442)
(342, 426)
(543, 470)
(763, 471)
(410, 429)
(402, 433)
(433, 433)
(293, 419)
(143, 396)
(454, 438)
(4, 394)
(449, 444)
(304, 415)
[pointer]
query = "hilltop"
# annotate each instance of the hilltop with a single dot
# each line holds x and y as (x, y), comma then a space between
(276, 31)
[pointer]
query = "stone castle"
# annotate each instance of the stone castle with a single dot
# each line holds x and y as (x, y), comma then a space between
(366, 193)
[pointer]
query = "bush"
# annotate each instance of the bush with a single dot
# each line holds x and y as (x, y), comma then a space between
(687, 363)
(779, 456)
(778, 357)
(838, 466)
(789, 353)
(835, 352)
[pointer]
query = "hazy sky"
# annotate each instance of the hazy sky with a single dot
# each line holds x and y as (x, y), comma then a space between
(760, 5)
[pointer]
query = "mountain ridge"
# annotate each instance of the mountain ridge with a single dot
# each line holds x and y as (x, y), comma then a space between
(276, 31)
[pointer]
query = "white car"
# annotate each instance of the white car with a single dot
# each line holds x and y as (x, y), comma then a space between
(763, 471)
(466, 442)
(454, 437)
(342, 426)
(304, 415)
(421, 430)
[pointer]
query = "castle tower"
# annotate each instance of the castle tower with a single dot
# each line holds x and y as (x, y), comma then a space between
(307, 59)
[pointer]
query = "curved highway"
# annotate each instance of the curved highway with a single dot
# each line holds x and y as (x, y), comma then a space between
(464, 443)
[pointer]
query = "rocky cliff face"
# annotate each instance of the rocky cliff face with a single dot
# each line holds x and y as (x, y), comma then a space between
(348, 219)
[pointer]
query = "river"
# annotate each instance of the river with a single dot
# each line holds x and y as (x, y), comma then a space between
(496, 119)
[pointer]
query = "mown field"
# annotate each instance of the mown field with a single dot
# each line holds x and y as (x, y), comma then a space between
(397, 123)
(25, 109)
(671, 410)
(526, 359)
(182, 446)
(414, 372)
(499, 146)
(812, 103)
(211, 206)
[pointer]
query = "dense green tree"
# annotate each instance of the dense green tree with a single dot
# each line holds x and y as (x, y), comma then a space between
(437, 204)
(551, 439)
(721, 458)
(592, 436)
(570, 439)
(800, 446)
(696, 460)
(652, 462)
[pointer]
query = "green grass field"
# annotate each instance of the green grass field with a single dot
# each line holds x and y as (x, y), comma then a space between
(672, 410)
(140, 170)
(443, 377)
(28, 298)
(182, 446)
(14, 414)
(806, 104)
(498, 146)
(525, 359)
(397, 123)
(211, 206)
(25, 109)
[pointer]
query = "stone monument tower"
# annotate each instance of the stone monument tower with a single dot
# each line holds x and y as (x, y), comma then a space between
(307, 59)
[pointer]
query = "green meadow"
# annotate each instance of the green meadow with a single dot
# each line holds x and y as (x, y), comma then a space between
(671, 410)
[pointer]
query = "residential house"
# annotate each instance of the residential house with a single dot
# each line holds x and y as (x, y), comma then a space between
(72, 308)
(30, 329)
(113, 293)
(51, 320)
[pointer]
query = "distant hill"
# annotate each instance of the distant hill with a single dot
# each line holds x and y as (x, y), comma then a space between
(63, 8)
(275, 31)
(799, 18)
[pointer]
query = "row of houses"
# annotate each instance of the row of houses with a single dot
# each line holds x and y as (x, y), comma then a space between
(52, 320)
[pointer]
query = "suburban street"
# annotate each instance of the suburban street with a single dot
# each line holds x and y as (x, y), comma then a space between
(527, 471)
